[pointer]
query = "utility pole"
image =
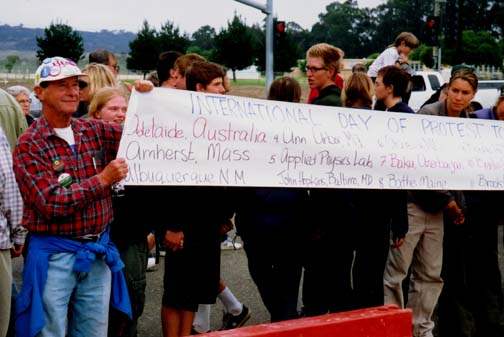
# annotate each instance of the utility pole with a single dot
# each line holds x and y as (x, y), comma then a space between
(436, 51)
(268, 10)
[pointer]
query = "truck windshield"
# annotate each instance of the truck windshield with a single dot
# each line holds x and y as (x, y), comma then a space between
(418, 83)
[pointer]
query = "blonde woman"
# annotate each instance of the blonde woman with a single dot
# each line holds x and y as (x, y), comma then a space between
(109, 104)
(98, 76)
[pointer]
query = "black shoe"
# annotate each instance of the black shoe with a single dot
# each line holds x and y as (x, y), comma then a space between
(229, 321)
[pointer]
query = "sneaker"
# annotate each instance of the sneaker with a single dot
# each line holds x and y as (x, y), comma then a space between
(230, 244)
(151, 264)
(229, 321)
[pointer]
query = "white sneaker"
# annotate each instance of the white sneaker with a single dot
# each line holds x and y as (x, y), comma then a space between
(151, 263)
(230, 244)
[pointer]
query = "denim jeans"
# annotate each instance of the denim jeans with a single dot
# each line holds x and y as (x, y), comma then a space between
(76, 304)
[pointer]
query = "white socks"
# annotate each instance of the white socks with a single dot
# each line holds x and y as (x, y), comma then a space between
(231, 303)
(201, 321)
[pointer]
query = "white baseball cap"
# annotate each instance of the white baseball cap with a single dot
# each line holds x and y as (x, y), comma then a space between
(56, 68)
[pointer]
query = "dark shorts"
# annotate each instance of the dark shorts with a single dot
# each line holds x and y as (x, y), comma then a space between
(192, 276)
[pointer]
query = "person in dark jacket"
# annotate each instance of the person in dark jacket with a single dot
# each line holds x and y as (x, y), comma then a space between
(323, 61)
(390, 84)
(278, 215)
(472, 300)
(377, 211)
(209, 77)
(327, 288)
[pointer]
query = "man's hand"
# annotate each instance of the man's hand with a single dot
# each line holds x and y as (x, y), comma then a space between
(143, 86)
(114, 172)
(174, 240)
(151, 241)
(455, 213)
(16, 250)
(402, 59)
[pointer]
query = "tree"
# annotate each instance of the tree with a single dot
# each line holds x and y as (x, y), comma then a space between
(204, 37)
(469, 15)
(423, 54)
(144, 50)
(60, 40)
(234, 46)
(346, 26)
(170, 38)
(286, 51)
(300, 36)
(207, 54)
(11, 61)
(203, 42)
(481, 48)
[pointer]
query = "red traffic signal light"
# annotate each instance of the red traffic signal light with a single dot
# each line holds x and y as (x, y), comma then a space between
(432, 22)
(280, 27)
(432, 30)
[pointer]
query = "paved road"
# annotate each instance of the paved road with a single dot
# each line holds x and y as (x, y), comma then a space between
(234, 272)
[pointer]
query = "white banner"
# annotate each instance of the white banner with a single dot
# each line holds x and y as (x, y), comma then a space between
(176, 137)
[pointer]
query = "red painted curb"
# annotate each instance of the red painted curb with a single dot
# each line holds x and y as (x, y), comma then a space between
(385, 321)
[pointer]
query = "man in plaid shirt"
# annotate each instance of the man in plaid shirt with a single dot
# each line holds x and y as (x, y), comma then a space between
(65, 169)
(12, 235)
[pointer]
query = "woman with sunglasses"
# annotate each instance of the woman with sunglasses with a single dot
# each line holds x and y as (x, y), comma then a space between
(99, 76)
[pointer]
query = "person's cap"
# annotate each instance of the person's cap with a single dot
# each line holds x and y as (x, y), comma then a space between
(56, 68)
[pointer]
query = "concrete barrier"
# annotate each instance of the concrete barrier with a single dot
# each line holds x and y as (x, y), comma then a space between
(386, 321)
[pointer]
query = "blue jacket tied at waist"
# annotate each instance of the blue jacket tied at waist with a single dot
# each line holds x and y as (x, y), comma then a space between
(29, 302)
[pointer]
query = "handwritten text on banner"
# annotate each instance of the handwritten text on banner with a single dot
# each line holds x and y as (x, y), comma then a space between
(175, 137)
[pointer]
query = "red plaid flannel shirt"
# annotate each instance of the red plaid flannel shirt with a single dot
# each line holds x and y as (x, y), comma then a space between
(84, 207)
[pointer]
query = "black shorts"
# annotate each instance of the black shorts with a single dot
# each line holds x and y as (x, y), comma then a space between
(192, 276)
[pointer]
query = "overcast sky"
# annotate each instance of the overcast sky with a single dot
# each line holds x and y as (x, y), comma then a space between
(189, 15)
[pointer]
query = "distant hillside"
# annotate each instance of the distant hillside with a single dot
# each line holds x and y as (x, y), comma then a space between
(23, 39)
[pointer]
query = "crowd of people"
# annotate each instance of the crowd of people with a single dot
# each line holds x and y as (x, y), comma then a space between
(85, 246)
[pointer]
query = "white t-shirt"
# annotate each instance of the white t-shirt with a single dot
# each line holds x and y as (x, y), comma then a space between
(67, 135)
(387, 58)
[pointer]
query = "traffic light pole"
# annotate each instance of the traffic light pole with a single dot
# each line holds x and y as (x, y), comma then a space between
(268, 10)
(437, 50)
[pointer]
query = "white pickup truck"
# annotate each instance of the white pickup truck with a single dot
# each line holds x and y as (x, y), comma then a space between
(425, 83)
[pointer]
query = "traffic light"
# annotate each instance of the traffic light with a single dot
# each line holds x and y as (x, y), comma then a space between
(432, 30)
(280, 28)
